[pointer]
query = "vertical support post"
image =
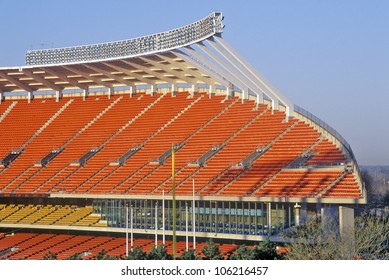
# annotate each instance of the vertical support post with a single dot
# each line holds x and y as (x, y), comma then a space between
(110, 92)
(30, 96)
(194, 89)
(346, 221)
(194, 216)
(85, 93)
(156, 224)
(275, 104)
(163, 217)
(297, 208)
(259, 99)
(1, 97)
(58, 95)
(186, 225)
(132, 90)
(212, 90)
(174, 90)
(132, 229)
(269, 218)
(126, 230)
(152, 90)
(174, 204)
(229, 92)
(245, 95)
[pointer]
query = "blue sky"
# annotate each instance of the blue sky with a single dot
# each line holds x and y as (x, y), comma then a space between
(329, 57)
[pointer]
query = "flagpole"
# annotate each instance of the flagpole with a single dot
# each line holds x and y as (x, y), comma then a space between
(186, 225)
(127, 230)
(156, 224)
(163, 216)
(174, 205)
(194, 216)
(132, 229)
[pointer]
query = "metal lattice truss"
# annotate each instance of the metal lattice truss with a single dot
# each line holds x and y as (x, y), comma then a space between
(195, 54)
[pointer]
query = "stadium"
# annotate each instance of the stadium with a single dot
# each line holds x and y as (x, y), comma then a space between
(171, 135)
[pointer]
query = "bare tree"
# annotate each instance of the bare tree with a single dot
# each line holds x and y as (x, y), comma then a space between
(316, 241)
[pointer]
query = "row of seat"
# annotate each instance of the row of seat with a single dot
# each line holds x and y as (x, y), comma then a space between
(67, 215)
(32, 246)
(114, 126)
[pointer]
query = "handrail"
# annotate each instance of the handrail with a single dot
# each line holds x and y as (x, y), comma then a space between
(326, 127)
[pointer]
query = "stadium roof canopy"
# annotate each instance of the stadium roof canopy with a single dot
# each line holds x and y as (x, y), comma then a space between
(194, 54)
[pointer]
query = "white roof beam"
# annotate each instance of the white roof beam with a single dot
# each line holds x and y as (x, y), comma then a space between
(168, 69)
(243, 81)
(131, 74)
(187, 70)
(109, 75)
(151, 72)
(16, 82)
(87, 76)
(218, 43)
(64, 78)
(227, 77)
(42, 80)
(221, 80)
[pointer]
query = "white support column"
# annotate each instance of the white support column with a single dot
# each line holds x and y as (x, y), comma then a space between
(110, 92)
(152, 90)
(245, 95)
(156, 224)
(229, 92)
(212, 90)
(174, 90)
(260, 98)
(30, 96)
(132, 90)
(85, 93)
(127, 230)
(132, 228)
(275, 104)
(58, 95)
(297, 208)
(194, 90)
(346, 221)
(1, 96)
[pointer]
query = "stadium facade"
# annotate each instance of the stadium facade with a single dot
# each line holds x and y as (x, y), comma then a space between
(88, 135)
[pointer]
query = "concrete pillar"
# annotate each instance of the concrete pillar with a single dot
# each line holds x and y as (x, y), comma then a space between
(30, 96)
(288, 113)
(275, 104)
(318, 209)
(297, 214)
(174, 90)
(85, 93)
(329, 215)
(152, 89)
(194, 89)
(1, 96)
(245, 95)
(212, 90)
(260, 98)
(346, 221)
(303, 212)
(132, 90)
(229, 92)
(110, 92)
(269, 219)
(58, 95)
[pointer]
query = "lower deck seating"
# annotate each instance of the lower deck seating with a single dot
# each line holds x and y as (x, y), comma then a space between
(32, 246)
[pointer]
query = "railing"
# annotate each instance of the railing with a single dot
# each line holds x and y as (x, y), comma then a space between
(163, 41)
(326, 127)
